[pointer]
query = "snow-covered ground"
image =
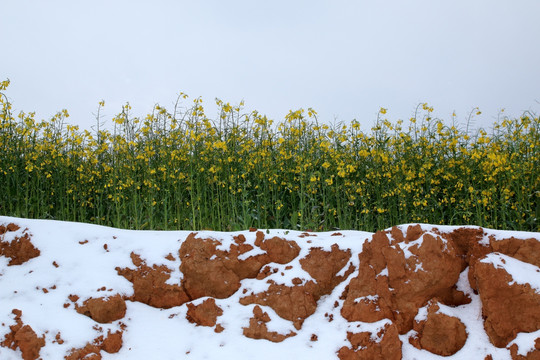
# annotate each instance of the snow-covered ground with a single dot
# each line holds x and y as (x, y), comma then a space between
(82, 259)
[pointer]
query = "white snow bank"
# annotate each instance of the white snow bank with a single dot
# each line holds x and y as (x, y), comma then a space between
(86, 265)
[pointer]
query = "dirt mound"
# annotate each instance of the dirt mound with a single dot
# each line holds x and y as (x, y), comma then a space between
(112, 343)
(293, 303)
(399, 275)
(258, 330)
(20, 249)
(440, 334)
(297, 302)
(209, 271)
(204, 314)
(278, 250)
(103, 310)
(323, 266)
(23, 337)
(382, 344)
(150, 287)
(508, 307)
(526, 250)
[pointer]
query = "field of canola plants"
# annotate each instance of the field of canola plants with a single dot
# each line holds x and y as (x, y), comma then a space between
(178, 169)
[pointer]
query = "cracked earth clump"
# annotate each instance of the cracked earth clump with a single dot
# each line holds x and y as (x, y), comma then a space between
(24, 338)
(150, 287)
(18, 250)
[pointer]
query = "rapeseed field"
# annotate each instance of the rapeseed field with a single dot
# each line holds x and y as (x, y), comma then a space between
(179, 169)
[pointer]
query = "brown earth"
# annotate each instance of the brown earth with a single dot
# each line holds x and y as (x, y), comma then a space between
(431, 271)
(296, 303)
(103, 310)
(258, 330)
(507, 309)
(20, 249)
(92, 350)
(9, 227)
(365, 347)
(440, 334)
(217, 273)
(323, 267)
(23, 337)
(205, 314)
(293, 303)
(149, 285)
(527, 250)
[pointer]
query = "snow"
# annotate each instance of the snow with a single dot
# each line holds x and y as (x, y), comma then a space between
(367, 299)
(384, 272)
(525, 342)
(85, 265)
(406, 246)
(505, 234)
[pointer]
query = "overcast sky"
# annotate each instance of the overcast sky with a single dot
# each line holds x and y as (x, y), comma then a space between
(345, 59)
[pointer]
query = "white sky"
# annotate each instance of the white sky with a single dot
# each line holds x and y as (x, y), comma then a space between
(344, 58)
